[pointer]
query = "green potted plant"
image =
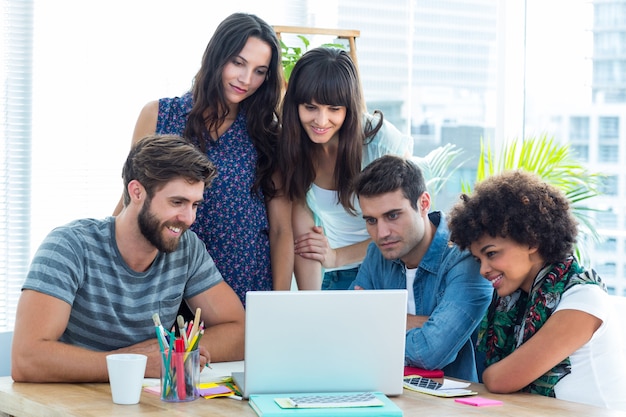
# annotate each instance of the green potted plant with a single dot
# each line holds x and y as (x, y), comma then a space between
(291, 54)
(555, 164)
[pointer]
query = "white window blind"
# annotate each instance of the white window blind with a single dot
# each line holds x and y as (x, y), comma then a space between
(16, 22)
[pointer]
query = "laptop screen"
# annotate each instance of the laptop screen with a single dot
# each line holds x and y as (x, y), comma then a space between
(324, 341)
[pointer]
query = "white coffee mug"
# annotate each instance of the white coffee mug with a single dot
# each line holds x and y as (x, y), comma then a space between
(126, 372)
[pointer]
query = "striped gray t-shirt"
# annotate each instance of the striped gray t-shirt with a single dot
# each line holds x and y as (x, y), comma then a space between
(112, 305)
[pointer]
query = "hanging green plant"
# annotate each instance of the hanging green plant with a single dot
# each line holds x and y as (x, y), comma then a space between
(291, 54)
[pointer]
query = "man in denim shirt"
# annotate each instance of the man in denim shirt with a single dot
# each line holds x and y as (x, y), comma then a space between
(410, 249)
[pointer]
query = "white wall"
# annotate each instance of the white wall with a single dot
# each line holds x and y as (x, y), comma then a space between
(96, 63)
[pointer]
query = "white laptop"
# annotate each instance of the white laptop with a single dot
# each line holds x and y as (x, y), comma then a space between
(324, 341)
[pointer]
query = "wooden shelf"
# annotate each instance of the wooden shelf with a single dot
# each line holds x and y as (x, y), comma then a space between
(348, 34)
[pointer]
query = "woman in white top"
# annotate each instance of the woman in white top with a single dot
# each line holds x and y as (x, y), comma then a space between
(327, 138)
(550, 328)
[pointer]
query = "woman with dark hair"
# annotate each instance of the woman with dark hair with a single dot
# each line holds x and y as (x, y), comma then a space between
(550, 328)
(230, 113)
(327, 138)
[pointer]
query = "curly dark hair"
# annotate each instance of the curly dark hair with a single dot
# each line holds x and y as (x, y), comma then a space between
(517, 205)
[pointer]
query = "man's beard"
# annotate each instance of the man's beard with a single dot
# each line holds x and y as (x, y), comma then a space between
(151, 228)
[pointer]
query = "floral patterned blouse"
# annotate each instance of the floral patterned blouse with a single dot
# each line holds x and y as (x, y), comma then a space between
(232, 222)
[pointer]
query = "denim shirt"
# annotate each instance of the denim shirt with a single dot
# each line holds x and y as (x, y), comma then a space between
(449, 289)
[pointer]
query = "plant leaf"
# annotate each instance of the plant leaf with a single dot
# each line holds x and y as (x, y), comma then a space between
(554, 163)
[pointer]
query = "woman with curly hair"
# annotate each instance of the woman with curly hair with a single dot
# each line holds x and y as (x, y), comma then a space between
(550, 329)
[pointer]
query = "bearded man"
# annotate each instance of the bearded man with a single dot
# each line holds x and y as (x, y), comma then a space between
(95, 284)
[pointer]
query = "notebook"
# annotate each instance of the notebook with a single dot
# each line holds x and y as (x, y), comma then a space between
(266, 405)
(324, 341)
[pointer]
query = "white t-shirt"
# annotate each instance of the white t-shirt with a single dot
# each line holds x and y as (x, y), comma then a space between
(410, 279)
(340, 228)
(598, 374)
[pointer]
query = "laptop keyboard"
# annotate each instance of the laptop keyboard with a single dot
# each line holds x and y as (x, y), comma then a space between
(361, 399)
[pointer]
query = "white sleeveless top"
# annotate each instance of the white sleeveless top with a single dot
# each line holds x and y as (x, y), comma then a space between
(340, 227)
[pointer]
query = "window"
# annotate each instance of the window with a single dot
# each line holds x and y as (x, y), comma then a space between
(609, 185)
(604, 43)
(607, 220)
(610, 14)
(602, 72)
(607, 245)
(608, 153)
(580, 152)
(606, 270)
(16, 21)
(579, 128)
(608, 128)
